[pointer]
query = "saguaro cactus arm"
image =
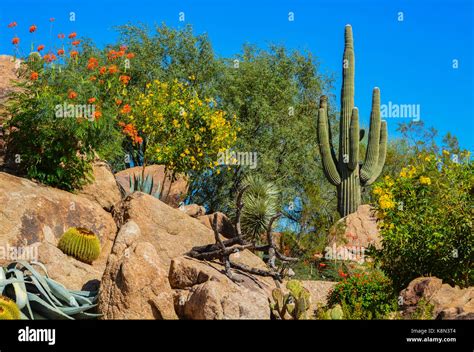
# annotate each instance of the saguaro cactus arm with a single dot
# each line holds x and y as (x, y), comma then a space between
(382, 154)
(329, 164)
(354, 135)
(372, 154)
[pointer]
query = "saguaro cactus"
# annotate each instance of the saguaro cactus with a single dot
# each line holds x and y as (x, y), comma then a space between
(344, 170)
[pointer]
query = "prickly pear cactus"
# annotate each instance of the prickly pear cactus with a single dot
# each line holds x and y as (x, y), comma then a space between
(293, 305)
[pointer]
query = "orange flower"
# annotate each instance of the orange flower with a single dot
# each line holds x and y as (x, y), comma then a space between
(33, 28)
(130, 55)
(12, 24)
(118, 102)
(49, 57)
(76, 42)
(74, 53)
(72, 35)
(93, 78)
(91, 100)
(139, 140)
(342, 274)
(15, 41)
(126, 109)
(124, 79)
(34, 76)
(61, 52)
(40, 47)
(113, 69)
(103, 70)
(61, 36)
(322, 265)
(97, 115)
(72, 95)
(93, 63)
(123, 48)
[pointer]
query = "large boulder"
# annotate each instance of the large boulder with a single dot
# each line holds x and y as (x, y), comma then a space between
(224, 225)
(169, 230)
(135, 285)
(104, 190)
(204, 292)
(36, 214)
(448, 302)
(174, 192)
(350, 236)
(193, 210)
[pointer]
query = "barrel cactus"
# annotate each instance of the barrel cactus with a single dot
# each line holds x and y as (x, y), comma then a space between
(81, 244)
(344, 170)
(8, 309)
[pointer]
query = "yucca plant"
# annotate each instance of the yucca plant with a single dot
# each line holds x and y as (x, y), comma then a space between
(37, 296)
(261, 204)
(142, 183)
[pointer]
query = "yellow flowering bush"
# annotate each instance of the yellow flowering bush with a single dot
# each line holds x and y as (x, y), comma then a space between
(425, 220)
(179, 129)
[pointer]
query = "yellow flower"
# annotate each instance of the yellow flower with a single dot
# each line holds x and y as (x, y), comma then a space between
(386, 202)
(425, 180)
(445, 152)
(403, 173)
(377, 190)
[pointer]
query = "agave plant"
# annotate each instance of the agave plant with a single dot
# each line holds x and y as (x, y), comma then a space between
(139, 184)
(37, 296)
(261, 204)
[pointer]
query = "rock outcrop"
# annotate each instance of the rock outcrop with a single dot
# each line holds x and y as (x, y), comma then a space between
(135, 285)
(34, 214)
(224, 225)
(104, 190)
(448, 302)
(193, 210)
(204, 292)
(350, 236)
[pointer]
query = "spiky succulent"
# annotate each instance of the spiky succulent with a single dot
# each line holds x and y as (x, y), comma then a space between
(8, 309)
(81, 244)
(335, 313)
(260, 205)
(37, 296)
(139, 184)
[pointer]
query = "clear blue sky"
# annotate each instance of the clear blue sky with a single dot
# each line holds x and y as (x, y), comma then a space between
(411, 61)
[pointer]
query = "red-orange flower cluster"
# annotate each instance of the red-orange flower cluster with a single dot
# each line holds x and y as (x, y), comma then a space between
(74, 53)
(49, 57)
(34, 76)
(131, 131)
(72, 35)
(124, 79)
(72, 95)
(76, 42)
(40, 47)
(126, 109)
(93, 63)
(61, 52)
(15, 41)
(33, 29)
(12, 24)
(61, 36)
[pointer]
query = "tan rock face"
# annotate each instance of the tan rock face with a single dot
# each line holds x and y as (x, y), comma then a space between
(171, 195)
(212, 295)
(170, 231)
(104, 190)
(193, 210)
(224, 225)
(32, 213)
(351, 235)
(449, 302)
(135, 285)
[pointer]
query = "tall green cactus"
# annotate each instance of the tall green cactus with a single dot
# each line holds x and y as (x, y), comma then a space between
(344, 171)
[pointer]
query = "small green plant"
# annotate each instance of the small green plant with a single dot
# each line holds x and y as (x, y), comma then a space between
(424, 311)
(364, 296)
(261, 204)
(37, 296)
(335, 313)
(293, 305)
(8, 309)
(139, 184)
(81, 244)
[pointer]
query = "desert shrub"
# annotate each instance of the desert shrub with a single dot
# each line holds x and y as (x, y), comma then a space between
(426, 220)
(180, 130)
(65, 111)
(368, 295)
